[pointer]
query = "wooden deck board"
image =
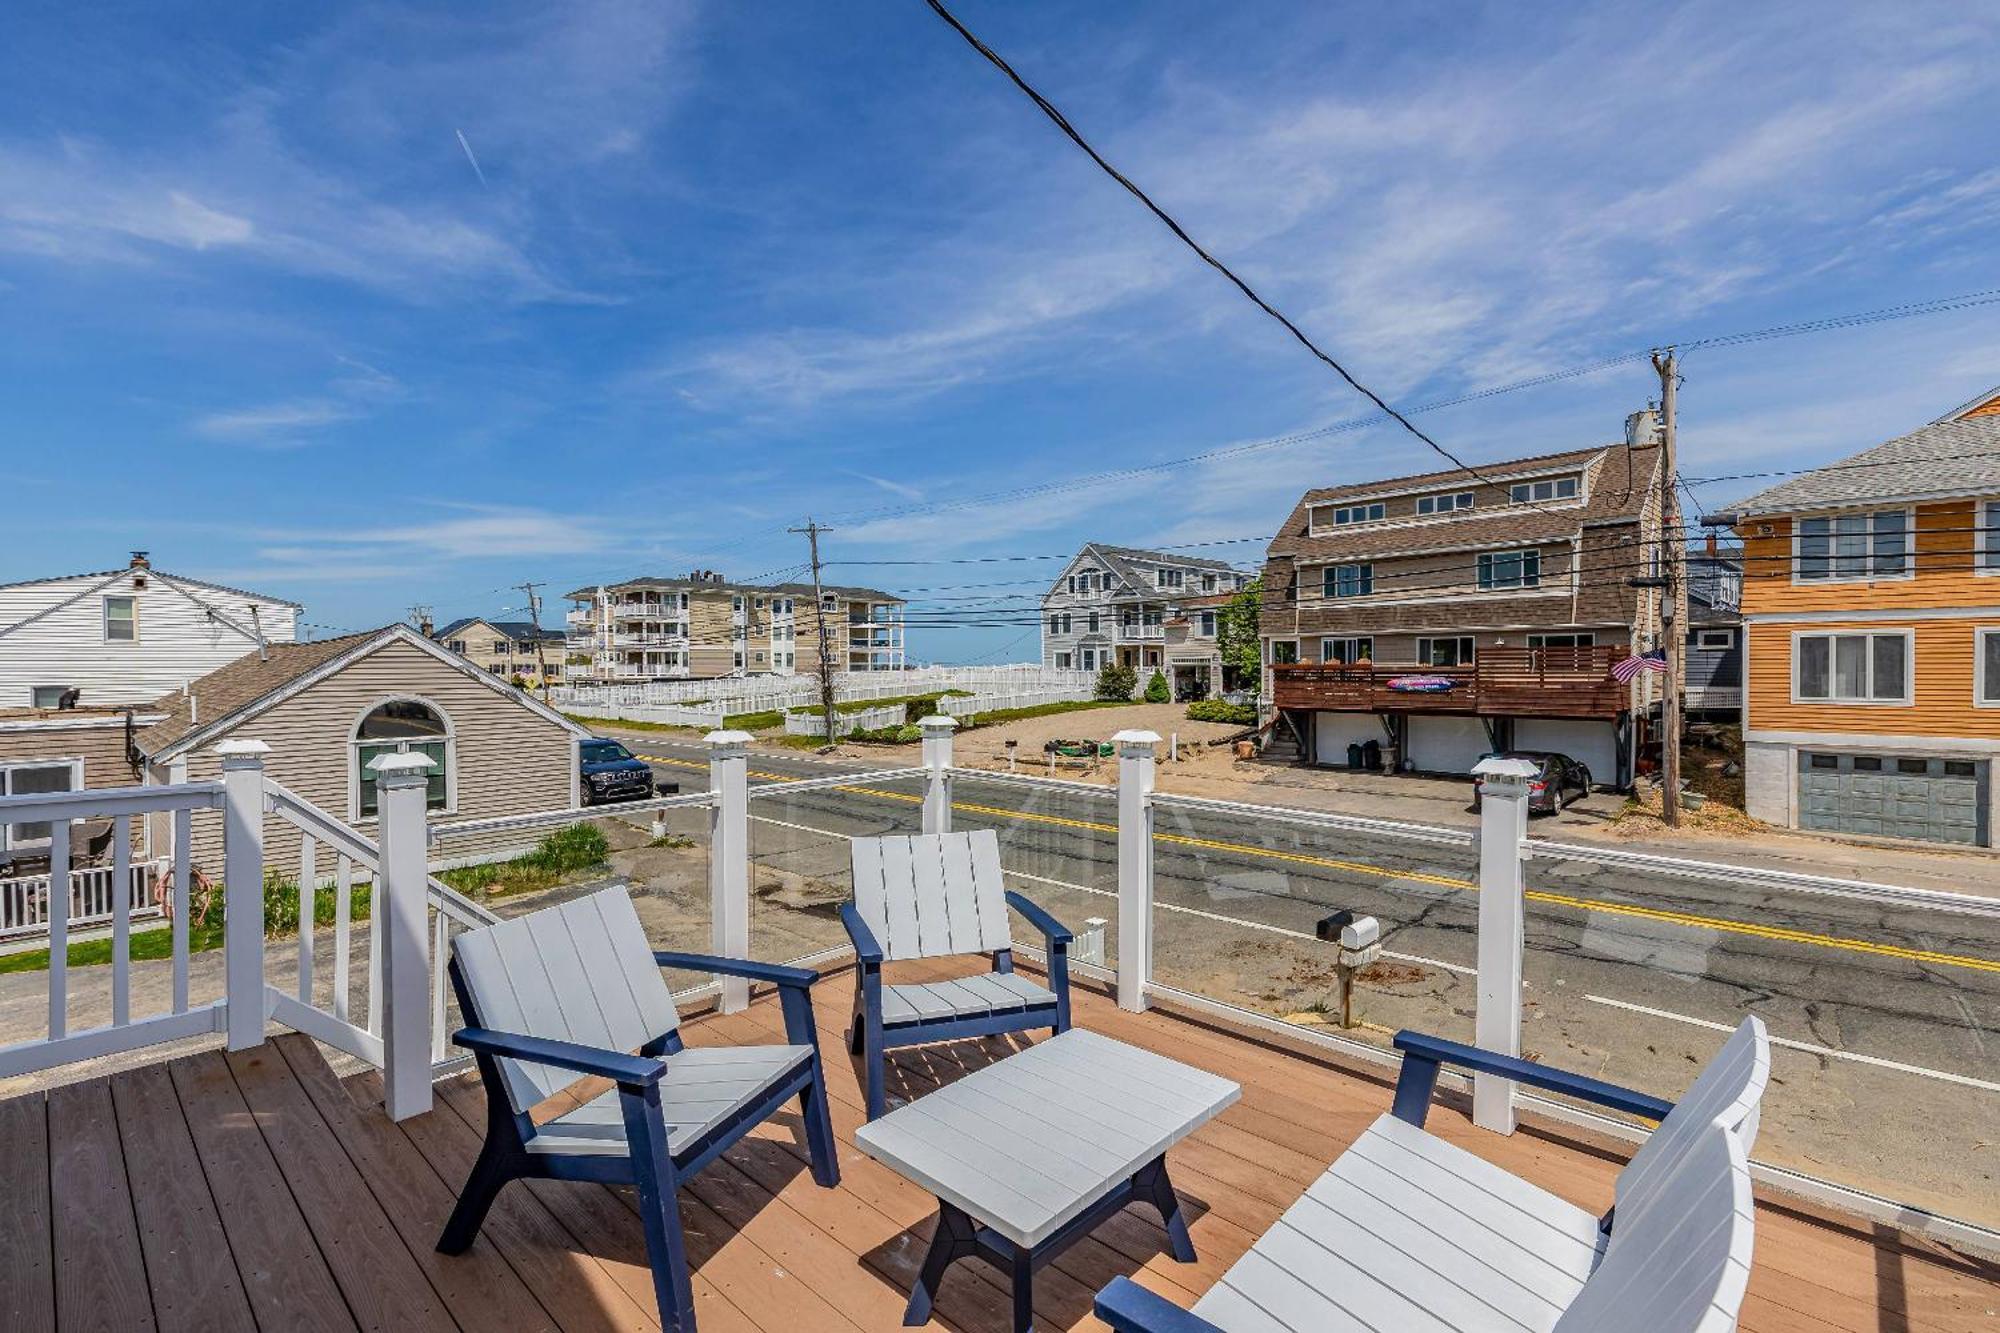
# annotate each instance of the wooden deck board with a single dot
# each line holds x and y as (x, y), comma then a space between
(259, 1190)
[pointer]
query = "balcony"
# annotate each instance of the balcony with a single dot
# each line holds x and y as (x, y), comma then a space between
(1518, 682)
(1141, 633)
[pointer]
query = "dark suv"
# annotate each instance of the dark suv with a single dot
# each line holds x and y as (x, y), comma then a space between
(613, 773)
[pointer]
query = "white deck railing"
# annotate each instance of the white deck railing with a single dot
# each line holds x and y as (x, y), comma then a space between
(24, 899)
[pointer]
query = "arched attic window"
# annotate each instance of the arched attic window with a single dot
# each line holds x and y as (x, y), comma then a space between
(403, 725)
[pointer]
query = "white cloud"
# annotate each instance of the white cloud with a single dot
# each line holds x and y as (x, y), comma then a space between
(272, 422)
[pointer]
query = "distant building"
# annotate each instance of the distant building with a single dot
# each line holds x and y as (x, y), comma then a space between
(1871, 605)
(1149, 610)
(705, 626)
(507, 648)
(1712, 645)
(126, 636)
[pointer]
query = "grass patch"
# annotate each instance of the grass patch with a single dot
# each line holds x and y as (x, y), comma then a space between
(792, 742)
(599, 724)
(1041, 710)
(556, 857)
(759, 721)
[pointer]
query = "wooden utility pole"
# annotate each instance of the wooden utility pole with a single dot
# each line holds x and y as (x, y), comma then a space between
(541, 654)
(812, 531)
(1673, 550)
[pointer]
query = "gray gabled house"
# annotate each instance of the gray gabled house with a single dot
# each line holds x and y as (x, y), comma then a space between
(1149, 610)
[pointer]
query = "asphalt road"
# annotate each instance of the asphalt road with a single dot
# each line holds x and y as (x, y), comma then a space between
(1892, 1081)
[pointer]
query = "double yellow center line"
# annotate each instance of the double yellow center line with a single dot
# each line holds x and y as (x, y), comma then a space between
(1443, 881)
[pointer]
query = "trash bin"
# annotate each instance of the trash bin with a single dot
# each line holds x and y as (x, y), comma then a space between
(1354, 754)
(1371, 756)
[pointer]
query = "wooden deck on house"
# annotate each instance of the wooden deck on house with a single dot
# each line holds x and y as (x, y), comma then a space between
(1501, 682)
(258, 1191)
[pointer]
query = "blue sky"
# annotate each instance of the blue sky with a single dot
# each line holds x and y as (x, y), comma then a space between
(721, 266)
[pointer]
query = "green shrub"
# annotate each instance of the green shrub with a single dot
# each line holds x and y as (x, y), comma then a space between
(1116, 682)
(907, 734)
(564, 852)
(1217, 710)
(281, 904)
(1157, 690)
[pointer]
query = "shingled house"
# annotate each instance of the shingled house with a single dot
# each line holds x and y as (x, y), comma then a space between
(1444, 616)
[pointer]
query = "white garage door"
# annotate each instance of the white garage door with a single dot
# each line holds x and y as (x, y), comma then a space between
(1448, 744)
(1594, 744)
(1334, 732)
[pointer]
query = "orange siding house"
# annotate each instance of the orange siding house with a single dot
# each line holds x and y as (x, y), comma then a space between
(1871, 614)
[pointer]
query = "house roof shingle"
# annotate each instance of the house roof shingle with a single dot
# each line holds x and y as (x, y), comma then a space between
(512, 629)
(229, 689)
(1950, 457)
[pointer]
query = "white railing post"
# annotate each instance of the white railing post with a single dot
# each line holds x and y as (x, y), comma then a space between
(1135, 866)
(937, 731)
(729, 857)
(402, 903)
(1503, 823)
(243, 890)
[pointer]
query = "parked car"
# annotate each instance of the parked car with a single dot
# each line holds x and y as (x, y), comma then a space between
(613, 773)
(1557, 774)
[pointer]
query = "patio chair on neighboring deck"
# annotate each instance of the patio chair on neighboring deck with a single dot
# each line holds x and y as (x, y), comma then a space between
(937, 895)
(1406, 1230)
(572, 990)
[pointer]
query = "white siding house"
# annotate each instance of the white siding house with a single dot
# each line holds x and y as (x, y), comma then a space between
(126, 636)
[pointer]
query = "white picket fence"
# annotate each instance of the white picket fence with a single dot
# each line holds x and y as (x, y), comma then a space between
(966, 706)
(812, 722)
(24, 900)
(722, 697)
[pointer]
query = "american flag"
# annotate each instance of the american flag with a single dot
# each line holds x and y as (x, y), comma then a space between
(1625, 668)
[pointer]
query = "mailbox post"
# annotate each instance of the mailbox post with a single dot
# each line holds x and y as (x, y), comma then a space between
(1359, 943)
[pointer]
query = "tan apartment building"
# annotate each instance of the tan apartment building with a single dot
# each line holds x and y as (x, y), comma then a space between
(704, 626)
(507, 648)
(1445, 616)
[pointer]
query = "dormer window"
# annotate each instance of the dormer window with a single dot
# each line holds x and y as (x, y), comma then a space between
(1167, 578)
(1361, 513)
(1429, 505)
(1555, 488)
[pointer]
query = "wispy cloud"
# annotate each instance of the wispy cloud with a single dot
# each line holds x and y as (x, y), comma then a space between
(280, 424)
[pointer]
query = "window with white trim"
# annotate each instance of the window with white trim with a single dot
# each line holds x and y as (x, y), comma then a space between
(1443, 504)
(1347, 580)
(1346, 650)
(1555, 488)
(1207, 628)
(397, 727)
(1284, 652)
(121, 620)
(1452, 651)
(1988, 544)
(1854, 546)
(46, 696)
(1586, 639)
(1208, 583)
(1510, 569)
(1987, 665)
(1847, 667)
(1167, 578)
(1361, 513)
(1090, 623)
(1062, 661)
(1714, 640)
(34, 778)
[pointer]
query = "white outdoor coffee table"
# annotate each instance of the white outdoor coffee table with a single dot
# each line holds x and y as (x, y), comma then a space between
(1029, 1154)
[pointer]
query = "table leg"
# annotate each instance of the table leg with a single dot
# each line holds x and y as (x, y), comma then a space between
(950, 1241)
(1024, 1291)
(1152, 1183)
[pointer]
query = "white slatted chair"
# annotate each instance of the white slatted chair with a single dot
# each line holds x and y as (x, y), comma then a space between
(575, 989)
(1406, 1231)
(935, 896)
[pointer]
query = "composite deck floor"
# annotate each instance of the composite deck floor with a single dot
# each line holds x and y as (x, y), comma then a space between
(257, 1190)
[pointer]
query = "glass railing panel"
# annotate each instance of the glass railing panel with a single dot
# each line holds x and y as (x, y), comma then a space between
(800, 865)
(1059, 848)
(1238, 893)
(1882, 1013)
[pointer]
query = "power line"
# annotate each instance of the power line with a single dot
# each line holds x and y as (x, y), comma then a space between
(1062, 123)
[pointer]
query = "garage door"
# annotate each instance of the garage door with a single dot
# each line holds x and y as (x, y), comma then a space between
(1593, 744)
(1894, 796)
(1334, 732)
(1448, 744)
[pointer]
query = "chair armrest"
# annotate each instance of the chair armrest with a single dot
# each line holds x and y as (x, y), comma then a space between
(1052, 930)
(1130, 1308)
(775, 973)
(630, 1070)
(1422, 1055)
(866, 948)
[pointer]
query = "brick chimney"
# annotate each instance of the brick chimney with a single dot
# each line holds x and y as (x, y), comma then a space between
(139, 560)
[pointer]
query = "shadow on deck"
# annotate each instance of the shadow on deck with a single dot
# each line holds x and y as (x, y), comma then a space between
(257, 1190)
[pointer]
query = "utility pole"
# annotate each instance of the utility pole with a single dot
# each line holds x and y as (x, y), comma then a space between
(1673, 549)
(812, 531)
(541, 652)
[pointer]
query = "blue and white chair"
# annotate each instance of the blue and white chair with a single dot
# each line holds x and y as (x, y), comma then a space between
(575, 990)
(1407, 1231)
(939, 895)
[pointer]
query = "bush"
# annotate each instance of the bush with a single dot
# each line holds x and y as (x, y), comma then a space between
(906, 734)
(1157, 691)
(1218, 710)
(1116, 682)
